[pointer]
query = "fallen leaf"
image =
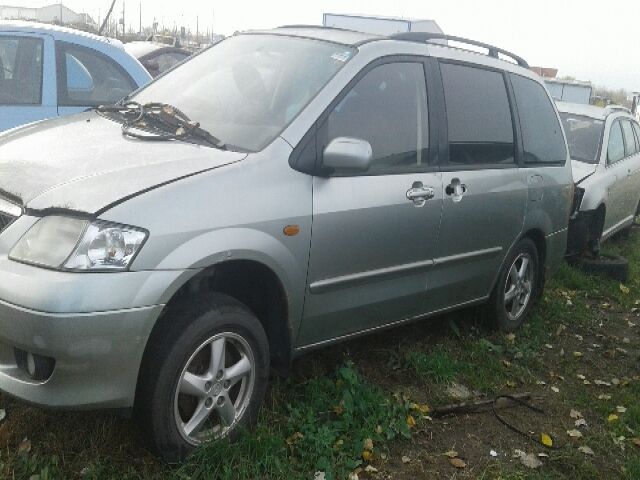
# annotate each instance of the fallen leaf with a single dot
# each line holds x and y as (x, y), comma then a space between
(555, 389)
(458, 392)
(25, 446)
(506, 363)
(529, 460)
(579, 337)
(574, 433)
(548, 345)
(586, 450)
(319, 476)
(367, 444)
(604, 396)
(353, 476)
(615, 381)
(540, 382)
(581, 377)
(624, 289)
(293, 439)
(338, 409)
(577, 354)
(581, 422)
(457, 462)
(451, 454)
(510, 337)
(405, 459)
(602, 383)
(546, 440)
(510, 384)
(422, 408)
(612, 418)
(636, 442)
(620, 409)
(586, 382)
(378, 429)
(411, 422)
(575, 414)
(493, 453)
(367, 455)
(626, 340)
(370, 469)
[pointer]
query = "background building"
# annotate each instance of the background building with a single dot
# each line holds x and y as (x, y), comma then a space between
(57, 13)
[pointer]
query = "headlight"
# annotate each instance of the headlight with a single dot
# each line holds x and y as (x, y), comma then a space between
(67, 243)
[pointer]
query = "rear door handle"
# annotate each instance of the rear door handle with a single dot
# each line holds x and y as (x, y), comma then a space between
(456, 188)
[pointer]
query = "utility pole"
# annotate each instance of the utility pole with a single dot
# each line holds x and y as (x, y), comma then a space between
(124, 23)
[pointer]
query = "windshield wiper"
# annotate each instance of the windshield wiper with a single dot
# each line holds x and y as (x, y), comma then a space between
(161, 121)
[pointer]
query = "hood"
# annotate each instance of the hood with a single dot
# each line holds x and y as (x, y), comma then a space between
(582, 170)
(83, 163)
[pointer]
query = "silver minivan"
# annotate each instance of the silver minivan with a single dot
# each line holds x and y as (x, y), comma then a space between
(281, 191)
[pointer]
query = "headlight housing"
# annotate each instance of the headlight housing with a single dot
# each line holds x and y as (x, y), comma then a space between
(76, 244)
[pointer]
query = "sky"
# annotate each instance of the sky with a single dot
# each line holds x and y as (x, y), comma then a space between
(587, 39)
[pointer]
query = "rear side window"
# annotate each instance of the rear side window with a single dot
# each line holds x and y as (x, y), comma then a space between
(20, 71)
(615, 149)
(542, 138)
(478, 116)
(629, 139)
(636, 129)
(388, 109)
(89, 78)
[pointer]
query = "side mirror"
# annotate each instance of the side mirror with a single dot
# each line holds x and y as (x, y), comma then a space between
(346, 153)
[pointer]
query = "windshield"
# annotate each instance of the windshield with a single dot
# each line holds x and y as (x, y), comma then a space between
(584, 135)
(248, 88)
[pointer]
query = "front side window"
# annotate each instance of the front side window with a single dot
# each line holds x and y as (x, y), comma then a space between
(89, 78)
(478, 115)
(615, 149)
(20, 71)
(584, 135)
(629, 138)
(247, 89)
(542, 138)
(636, 129)
(388, 109)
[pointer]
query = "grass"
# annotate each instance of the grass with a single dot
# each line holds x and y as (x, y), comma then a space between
(353, 405)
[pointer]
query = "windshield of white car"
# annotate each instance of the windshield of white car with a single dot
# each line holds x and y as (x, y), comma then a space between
(584, 135)
(249, 88)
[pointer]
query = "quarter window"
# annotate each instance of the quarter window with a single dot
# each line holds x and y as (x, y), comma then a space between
(20, 71)
(542, 138)
(636, 129)
(629, 139)
(388, 109)
(89, 78)
(615, 149)
(478, 116)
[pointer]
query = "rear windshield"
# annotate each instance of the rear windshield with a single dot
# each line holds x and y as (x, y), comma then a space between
(584, 135)
(247, 89)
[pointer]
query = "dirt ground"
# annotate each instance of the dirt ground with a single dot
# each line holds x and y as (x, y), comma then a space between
(580, 351)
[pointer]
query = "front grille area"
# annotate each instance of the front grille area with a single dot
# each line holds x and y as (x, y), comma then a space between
(5, 220)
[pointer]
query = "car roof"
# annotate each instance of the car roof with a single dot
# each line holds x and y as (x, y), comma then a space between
(436, 47)
(328, 34)
(592, 111)
(56, 31)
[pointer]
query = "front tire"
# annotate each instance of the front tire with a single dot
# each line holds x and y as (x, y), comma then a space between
(206, 379)
(516, 289)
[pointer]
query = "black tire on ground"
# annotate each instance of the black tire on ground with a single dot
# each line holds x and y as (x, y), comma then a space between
(496, 308)
(612, 266)
(164, 363)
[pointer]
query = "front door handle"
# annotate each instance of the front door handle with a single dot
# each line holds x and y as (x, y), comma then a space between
(419, 194)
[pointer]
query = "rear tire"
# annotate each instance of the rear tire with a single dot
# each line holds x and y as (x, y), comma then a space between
(517, 287)
(206, 378)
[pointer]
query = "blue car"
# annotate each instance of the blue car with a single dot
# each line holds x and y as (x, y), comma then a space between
(48, 71)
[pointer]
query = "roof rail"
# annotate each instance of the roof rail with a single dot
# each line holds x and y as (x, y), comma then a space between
(429, 37)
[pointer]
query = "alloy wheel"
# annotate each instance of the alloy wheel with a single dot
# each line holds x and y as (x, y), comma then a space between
(518, 287)
(214, 388)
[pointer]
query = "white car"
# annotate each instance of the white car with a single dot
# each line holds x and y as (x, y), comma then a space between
(48, 71)
(604, 144)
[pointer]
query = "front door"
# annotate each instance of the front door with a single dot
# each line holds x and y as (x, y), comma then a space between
(616, 179)
(374, 233)
(27, 79)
